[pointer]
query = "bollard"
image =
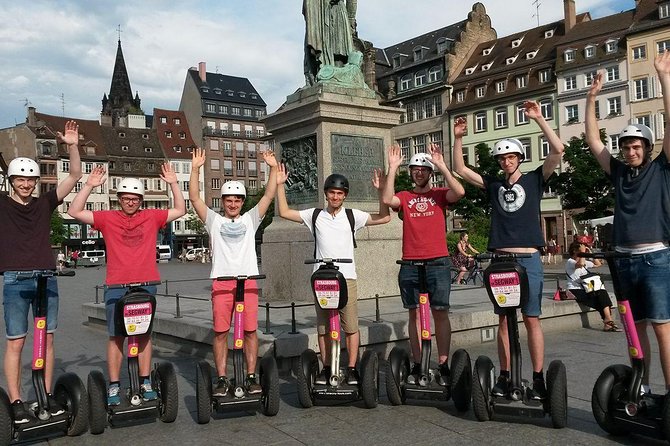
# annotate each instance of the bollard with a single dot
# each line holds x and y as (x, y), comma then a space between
(178, 315)
(97, 289)
(293, 329)
(166, 287)
(267, 318)
(377, 315)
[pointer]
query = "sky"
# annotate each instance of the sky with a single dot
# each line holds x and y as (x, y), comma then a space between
(59, 56)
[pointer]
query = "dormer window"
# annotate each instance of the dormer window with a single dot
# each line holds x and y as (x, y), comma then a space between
(242, 94)
(177, 121)
(397, 59)
(460, 96)
(229, 92)
(487, 66)
(204, 89)
(531, 54)
(182, 135)
(521, 81)
(163, 119)
(254, 96)
(548, 34)
(148, 149)
(217, 91)
(500, 87)
(589, 51)
(516, 42)
(511, 60)
(611, 46)
(664, 10)
(544, 75)
(124, 148)
(177, 149)
(418, 53)
(470, 70)
(479, 91)
(569, 55)
(442, 45)
(168, 134)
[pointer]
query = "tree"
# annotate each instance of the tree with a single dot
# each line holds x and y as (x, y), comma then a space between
(252, 200)
(194, 223)
(584, 184)
(477, 207)
(59, 232)
(403, 181)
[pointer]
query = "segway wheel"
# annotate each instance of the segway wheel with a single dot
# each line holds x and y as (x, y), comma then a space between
(482, 385)
(270, 383)
(168, 392)
(370, 384)
(396, 374)
(6, 423)
(557, 398)
(461, 380)
(203, 391)
(665, 421)
(97, 392)
(609, 386)
(308, 368)
(70, 393)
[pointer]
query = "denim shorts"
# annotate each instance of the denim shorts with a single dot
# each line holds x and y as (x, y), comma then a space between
(439, 284)
(19, 290)
(112, 296)
(645, 281)
(535, 271)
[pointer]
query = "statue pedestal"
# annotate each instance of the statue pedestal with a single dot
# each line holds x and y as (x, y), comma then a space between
(326, 129)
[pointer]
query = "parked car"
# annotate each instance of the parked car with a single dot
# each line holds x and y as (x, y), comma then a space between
(164, 252)
(92, 258)
(196, 253)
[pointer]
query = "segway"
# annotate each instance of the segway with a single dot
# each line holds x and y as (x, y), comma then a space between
(507, 285)
(617, 404)
(134, 316)
(69, 391)
(426, 387)
(330, 290)
(267, 401)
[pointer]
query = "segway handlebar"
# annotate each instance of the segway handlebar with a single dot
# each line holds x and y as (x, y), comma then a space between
(604, 255)
(242, 277)
(25, 275)
(502, 256)
(134, 284)
(421, 262)
(327, 260)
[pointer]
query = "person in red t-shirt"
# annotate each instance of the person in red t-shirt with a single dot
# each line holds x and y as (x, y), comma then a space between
(130, 239)
(424, 238)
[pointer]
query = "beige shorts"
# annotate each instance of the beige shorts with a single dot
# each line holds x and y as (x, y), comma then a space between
(348, 314)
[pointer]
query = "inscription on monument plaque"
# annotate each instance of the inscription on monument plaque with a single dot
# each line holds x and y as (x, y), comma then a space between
(300, 158)
(355, 157)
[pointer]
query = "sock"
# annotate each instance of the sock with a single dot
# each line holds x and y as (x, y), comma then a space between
(504, 373)
(538, 376)
(115, 383)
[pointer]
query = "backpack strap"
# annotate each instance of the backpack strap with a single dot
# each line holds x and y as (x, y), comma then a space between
(352, 223)
(315, 215)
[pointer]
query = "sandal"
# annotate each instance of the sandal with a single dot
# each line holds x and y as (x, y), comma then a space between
(611, 326)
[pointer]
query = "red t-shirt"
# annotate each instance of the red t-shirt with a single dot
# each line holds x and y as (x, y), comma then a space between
(131, 244)
(424, 230)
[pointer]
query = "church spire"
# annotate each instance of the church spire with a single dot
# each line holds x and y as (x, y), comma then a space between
(120, 99)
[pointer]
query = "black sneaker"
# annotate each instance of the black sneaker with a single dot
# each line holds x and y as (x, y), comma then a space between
(19, 412)
(444, 375)
(323, 376)
(222, 386)
(352, 376)
(413, 377)
(54, 407)
(502, 386)
(538, 392)
(253, 387)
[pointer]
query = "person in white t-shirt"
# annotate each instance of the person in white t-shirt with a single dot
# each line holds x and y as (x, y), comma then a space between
(233, 241)
(334, 240)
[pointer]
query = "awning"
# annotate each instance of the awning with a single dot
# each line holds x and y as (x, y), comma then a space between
(601, 221)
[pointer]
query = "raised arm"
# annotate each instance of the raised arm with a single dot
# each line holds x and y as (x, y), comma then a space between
(556, 148)
(71, 138)
(271, 186)
(170, 177)
(95, 178)
(383, 216)
(282, 203)
(456, 191)
(395, 158)
(197, 161)
(469, 175)
(596, 146)
(662, 65)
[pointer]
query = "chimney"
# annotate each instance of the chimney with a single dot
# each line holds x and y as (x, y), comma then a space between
(570, 14)
(31, 119)
(202, 70)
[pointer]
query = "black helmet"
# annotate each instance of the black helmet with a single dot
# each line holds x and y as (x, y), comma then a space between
(336, 181)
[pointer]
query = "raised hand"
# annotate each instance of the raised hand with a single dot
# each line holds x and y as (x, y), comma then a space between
(269, 157)
(662, 63)
(282, 174)
(378, 179)
(96, 177)
(532, 109)
(460, 127)
(71, 136)
(596, 84)
(435, 154)
(198, 159)
(395, 157)
(168, 174)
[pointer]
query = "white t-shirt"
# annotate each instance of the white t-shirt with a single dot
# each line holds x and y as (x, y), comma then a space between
(233, 243)
(334, 238)
(575, 273)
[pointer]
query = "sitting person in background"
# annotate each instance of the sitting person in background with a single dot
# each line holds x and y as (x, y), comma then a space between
(577, 267)
(463, 259)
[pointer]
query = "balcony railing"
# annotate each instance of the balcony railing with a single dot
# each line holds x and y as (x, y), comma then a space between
(208, 131)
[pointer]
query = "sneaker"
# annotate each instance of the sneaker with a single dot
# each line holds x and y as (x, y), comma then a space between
(222, 386)
(323, 376)
(113, 395)
(611, 326)
(54, 407)
(148, 393)
(253, 387)
(19, 412)
(413, 377)
(352, 376)
(502, 386)
(538, 392)
(444, 375)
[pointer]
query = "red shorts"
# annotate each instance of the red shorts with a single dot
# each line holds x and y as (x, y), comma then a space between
(223, 296)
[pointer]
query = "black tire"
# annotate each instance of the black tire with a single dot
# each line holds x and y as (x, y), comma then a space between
(308, 368)
(370, 379)
(396, 374)
(70, 393)
(461, 380)
(203, 392)
(557, 390)
(609, 386)
(168, 392)
(482, 384)
(665, 420)
(269, 377)
(6, 422)
(97, 392)
(478, 279)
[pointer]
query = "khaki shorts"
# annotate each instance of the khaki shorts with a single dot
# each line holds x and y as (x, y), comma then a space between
(348, 314)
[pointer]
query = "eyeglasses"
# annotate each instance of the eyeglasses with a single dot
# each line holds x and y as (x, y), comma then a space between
(421, 169)
(129, 200)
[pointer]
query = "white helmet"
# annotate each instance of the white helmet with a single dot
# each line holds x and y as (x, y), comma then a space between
(130, 186)
(637, 131)
(508, 145)
(23, 167)
(421, 160)
(233, 188)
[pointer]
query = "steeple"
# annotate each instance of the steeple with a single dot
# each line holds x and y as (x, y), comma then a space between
(120, 101)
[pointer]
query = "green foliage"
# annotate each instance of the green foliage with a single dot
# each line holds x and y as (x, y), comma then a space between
(583, 184)
(476, 203)
(403, 181)
(59, 233)
(478, 241)
(252, 200)
(194, 223)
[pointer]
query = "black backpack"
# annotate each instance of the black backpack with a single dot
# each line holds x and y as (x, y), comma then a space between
(350, 217)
